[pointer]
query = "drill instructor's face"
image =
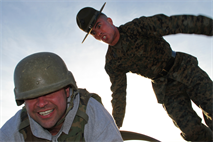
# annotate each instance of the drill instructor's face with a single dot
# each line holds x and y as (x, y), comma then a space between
(47, 110)
(105, 31)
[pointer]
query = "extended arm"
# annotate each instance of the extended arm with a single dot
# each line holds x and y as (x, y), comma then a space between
(118, 88)
(160, 25)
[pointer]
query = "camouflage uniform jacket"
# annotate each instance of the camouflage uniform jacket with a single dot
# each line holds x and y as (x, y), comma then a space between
(141, 49)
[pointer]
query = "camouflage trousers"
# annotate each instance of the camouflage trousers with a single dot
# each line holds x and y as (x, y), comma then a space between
(186, 82)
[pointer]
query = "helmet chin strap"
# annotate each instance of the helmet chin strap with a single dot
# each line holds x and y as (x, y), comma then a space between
(70, 104)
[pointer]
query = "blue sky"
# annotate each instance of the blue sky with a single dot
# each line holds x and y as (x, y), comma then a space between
(29, 26)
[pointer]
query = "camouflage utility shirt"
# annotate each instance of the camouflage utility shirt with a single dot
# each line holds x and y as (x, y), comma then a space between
(141, 49)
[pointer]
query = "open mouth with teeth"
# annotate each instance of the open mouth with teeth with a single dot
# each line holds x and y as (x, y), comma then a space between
(44, 113)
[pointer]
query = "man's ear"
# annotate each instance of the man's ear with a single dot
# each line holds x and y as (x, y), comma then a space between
(110, 20)
(67, 91)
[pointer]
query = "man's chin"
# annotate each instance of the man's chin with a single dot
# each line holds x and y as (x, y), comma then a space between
(48, 126)
(105, 42)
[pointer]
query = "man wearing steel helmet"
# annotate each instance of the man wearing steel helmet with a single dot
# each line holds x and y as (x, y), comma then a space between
(139, 47)
(55, 109)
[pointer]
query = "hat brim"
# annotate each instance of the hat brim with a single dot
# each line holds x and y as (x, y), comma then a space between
(95, 21)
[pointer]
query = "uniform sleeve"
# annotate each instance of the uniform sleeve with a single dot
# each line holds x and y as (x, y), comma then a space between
(118, 87)
(160, 25)
(101, 126)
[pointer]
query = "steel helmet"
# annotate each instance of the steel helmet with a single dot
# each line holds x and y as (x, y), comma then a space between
(39, 74)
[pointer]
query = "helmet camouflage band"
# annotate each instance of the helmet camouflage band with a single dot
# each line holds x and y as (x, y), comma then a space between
(86, 19)
(40, 74)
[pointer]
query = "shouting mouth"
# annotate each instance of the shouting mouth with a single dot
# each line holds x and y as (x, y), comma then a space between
(104, 38)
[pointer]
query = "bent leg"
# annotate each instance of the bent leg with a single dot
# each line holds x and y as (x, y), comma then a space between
(178, 106)
(200, 92)
(208, 122)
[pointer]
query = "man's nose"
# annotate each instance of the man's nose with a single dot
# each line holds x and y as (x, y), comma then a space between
(99, 34)
(41, 101)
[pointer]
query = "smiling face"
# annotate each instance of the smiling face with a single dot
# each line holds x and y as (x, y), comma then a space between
(47, 110)
(105, 31)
